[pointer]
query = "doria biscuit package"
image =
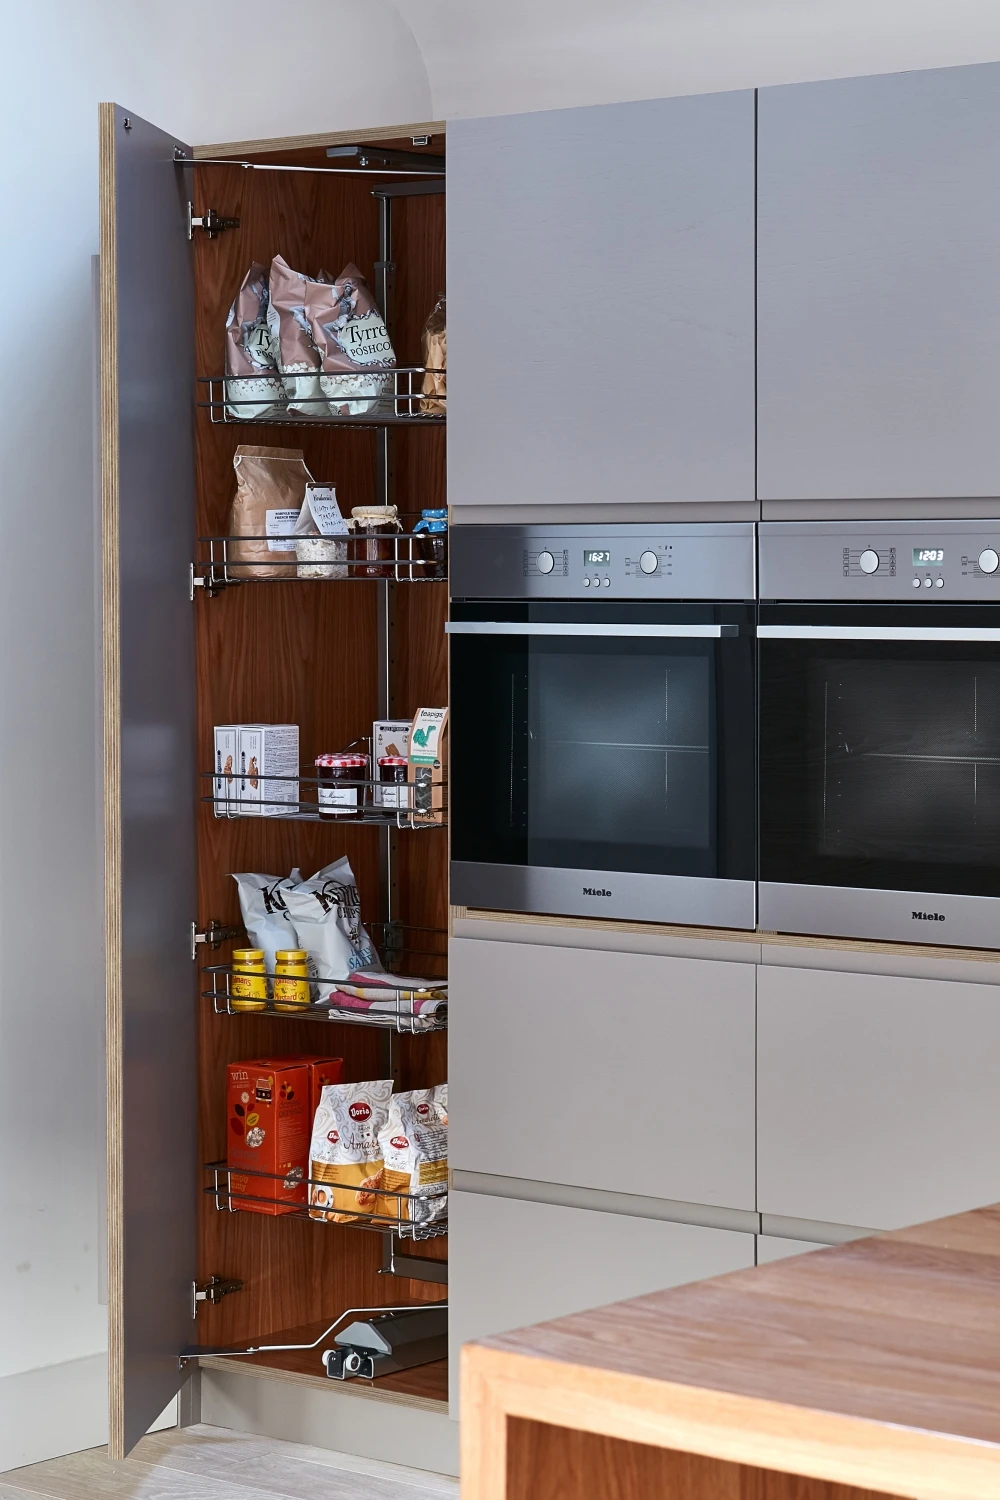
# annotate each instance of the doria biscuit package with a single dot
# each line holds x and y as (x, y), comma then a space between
(253, 387)
(267, 1133)
(345, 1163)
(414, 1146)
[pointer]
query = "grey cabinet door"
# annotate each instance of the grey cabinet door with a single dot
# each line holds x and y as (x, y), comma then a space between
(601, 305)
(878, 293)
(147, 373)
(512, 1263)
(878, 1097)
(620, 1071)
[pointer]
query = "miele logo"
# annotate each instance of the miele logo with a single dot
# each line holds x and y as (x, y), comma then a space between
(592, 890)
(927, 916)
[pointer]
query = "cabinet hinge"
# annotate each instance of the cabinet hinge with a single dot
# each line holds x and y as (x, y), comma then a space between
(213, 1290)
(211, 222)
(214, 934)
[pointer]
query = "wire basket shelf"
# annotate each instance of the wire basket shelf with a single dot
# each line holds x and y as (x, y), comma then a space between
(384, 556)
(395, 399)
(409, 1216)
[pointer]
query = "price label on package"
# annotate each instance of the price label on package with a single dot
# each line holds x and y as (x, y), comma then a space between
(281, 523)
(322, 500)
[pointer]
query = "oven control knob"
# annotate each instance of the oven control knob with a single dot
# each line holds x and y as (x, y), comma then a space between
(648, 562)
(546, 562)
(989, 560)
(868, 561)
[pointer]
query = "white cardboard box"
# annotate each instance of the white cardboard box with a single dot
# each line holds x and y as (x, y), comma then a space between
(389, 737)
(226, 768)
(267, 751)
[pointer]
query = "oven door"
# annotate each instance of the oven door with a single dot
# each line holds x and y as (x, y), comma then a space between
(880, 772)
(602, 760)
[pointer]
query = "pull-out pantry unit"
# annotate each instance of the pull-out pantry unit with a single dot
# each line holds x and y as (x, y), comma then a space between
(191, 643)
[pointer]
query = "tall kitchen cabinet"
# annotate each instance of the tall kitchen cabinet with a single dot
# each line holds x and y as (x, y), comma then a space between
(188, 646)
(601, 312)
(878, 295)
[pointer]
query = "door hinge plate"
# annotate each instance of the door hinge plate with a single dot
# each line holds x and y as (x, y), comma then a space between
(212, 1291)
(214, 934)
(211, 222)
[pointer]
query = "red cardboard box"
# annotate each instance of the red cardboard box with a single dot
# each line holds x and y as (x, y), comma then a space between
(269, 1122)
(322, 1070)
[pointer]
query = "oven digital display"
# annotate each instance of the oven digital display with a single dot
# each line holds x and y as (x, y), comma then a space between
(602, 559)
(924, 555)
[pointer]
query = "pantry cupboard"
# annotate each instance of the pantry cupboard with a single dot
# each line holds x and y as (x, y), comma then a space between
(186, 648)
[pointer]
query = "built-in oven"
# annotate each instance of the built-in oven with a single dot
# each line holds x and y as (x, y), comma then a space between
(879, 742)
(602, 721)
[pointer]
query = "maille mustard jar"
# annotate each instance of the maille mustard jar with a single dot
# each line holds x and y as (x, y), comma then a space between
(291, 979)
(248, 981)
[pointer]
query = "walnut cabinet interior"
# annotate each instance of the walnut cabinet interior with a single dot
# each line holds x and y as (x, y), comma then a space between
(299, 652)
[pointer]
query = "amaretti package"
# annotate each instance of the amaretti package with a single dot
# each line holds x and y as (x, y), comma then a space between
(345, 1162)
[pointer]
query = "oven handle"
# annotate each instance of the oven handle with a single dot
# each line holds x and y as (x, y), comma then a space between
(878, 633)
(535, 627)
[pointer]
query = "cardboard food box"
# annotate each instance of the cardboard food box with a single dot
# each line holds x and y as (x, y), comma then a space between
(427, 764)
(268, 1126)
(266, 751)
(226, 767)
(389, 737)
(322, 1070)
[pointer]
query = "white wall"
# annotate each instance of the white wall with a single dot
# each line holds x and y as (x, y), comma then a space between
(541, 54)
(209, 72)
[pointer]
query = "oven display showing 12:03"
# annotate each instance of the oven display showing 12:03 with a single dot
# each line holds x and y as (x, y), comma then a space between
(924, 555)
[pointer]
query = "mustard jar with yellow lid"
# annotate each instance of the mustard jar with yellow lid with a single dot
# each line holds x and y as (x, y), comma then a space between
(248, 982)
(291, 979)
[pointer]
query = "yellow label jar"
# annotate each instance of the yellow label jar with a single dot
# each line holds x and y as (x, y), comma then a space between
(291, 979)
(248, 982)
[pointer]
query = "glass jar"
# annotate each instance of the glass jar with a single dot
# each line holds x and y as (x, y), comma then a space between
(375, 547)
(291, 979)
(432, 529)
(248, 981)
(392, 785)
(340, 785)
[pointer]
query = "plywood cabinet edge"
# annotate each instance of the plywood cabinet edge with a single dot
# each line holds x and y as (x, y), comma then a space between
(112, 763)
(326, 138)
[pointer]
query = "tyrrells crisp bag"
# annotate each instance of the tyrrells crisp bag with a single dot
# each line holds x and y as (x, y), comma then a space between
(270, 488)
(345, 1164)
(353, 343)
(414, 1147)
(253, 388)
(293, 302)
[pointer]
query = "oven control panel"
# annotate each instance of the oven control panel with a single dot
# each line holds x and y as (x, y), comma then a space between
(924, 561)
(709, 561)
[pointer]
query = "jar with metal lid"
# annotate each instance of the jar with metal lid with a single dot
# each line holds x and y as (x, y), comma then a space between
(375, 547)
(248, 981)
(291, 979)
(341, 785)
(432, 530)
(393, 790)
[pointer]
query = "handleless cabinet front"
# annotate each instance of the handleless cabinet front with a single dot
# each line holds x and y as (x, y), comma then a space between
(878, 293)
(879, 1097)
(624, 1072)
(601, 305)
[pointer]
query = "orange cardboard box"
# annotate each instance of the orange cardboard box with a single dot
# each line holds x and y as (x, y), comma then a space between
(322, 1070)
(269, 1122)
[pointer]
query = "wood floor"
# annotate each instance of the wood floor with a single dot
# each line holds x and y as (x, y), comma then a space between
(213, 1463)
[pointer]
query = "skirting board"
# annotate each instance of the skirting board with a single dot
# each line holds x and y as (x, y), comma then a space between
(342, 1416)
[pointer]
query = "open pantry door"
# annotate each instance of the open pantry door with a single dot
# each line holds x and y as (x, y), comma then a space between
(147, 438)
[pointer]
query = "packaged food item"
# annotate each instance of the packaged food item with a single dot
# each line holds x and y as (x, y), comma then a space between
(265, 915)
(414, 1148)
(340, 792)
(290, 319)
(268, 770)
(227, 756)
(392, 790)
(435, 344)
(320, 534)
(353, 343)
(270, 488)
(253, 388)
(291, 979)
(325, 912)
(267, 1131)
(323, 1071)
(248, 985)
(345, 1163)
(390, 737)
(377, 526)
(432, 530)
(427, 763)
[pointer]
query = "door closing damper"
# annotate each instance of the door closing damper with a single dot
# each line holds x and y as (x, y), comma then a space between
(380, 1341)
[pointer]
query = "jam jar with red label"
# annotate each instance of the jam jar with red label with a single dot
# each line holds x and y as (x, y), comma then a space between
(341, 785)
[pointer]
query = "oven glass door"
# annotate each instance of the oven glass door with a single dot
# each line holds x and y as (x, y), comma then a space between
(612, 736)
(880, 747)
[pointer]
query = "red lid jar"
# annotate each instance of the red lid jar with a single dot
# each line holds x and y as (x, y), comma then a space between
(341, 785)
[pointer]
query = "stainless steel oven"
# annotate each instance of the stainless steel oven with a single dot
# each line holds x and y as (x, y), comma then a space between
(879, 698)
(602, 721)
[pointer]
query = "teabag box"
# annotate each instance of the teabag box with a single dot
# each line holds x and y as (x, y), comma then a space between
(268, 751)
(427, 764)
(268, 1129)
(389, 737)
(227, 760)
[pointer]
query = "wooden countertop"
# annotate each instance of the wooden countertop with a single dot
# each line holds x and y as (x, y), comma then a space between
(873, 1365)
